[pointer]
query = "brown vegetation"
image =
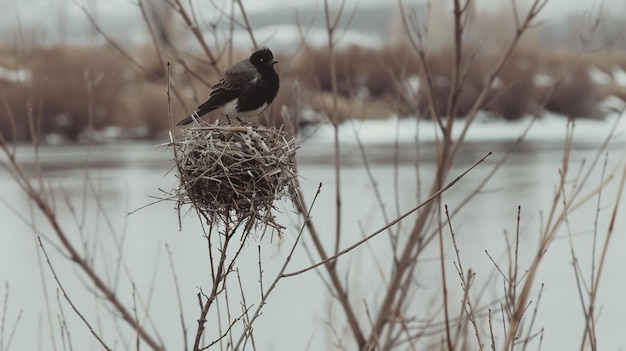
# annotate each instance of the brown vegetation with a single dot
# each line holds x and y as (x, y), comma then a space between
(371, 83)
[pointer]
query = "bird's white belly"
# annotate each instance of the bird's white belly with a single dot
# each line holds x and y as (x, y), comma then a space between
(230, 110)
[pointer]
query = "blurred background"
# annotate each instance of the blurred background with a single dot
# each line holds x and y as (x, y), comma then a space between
(52, 50)
(85, 80)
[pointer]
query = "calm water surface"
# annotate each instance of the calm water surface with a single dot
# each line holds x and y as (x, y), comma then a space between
(125, 177)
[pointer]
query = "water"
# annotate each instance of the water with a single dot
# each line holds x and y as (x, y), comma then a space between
(124, 177)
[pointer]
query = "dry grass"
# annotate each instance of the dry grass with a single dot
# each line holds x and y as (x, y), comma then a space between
(371, 83)
(371, 78)
(233, 174)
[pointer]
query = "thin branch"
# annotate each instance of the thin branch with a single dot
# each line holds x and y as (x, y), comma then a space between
(279, 275)
(67, 298)
(392, 223)
(110, 40)
(178, 298)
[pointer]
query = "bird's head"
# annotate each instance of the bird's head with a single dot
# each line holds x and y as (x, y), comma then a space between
(263, 58)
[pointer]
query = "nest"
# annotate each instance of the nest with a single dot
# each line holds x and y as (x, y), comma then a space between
(233, 174)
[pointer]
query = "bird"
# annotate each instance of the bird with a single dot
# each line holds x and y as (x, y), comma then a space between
(246, 89)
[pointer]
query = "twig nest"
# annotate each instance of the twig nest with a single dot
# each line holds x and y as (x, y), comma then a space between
(233, 174)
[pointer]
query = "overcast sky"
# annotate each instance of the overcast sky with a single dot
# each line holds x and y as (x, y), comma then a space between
(50, 15)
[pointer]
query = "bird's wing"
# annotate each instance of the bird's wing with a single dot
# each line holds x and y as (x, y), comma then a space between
(218, 96)
(229, 87)
(238, 76)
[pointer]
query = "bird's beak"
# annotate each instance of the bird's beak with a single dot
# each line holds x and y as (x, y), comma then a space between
(273, 62)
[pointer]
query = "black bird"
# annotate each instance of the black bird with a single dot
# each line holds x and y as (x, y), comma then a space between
(246, 89)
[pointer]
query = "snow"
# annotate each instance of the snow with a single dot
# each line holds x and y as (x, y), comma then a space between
(287, 37)
(612, 103)
(549, 128)
(19, 75)
(598, 76)
(619, 76)
(543, 80)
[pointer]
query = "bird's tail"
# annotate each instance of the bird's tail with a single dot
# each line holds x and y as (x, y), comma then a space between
(201, 111)
(188, 119)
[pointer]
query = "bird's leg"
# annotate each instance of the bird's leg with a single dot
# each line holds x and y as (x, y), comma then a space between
(228, 119)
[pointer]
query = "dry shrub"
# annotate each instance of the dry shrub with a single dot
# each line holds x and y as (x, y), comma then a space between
(385, 68)
(575, 95)
(13, 124)
(350, 108)
(144, 104)
(369, 81)
(515, 94)
(295, 100)
(372, 71)
(370, 85)
(606, 60)
(312, 67)
(615, 90)
(70, 84)
(233, 174)
(61, 80)
(439, 65)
